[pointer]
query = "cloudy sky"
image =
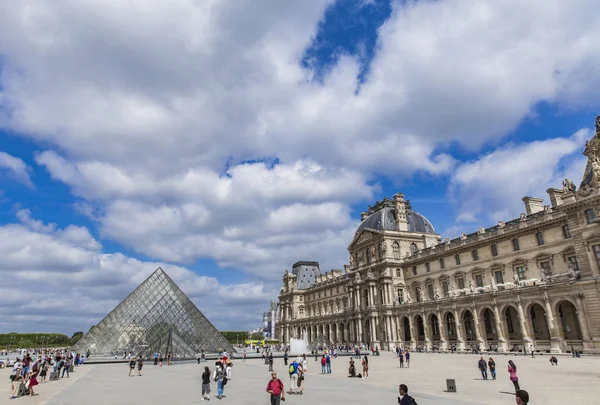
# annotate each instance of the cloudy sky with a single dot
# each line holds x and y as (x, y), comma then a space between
(225, 140)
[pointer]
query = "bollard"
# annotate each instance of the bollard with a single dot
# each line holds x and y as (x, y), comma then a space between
(450, 385)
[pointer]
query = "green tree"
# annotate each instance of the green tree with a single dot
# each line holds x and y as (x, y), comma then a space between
(75, 338)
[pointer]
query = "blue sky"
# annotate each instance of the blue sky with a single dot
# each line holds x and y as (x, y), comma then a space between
(225, 144)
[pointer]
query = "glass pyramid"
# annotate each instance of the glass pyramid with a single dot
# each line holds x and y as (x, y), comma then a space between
(156, 317)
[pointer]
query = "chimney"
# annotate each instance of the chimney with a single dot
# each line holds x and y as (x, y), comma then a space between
(556, 196)
(533, 205)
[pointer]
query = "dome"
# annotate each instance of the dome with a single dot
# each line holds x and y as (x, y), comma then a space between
(385, 220)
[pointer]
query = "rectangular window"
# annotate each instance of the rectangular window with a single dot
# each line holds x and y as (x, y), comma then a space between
(427, 268)
(596, 249)
(445, 288)
(457, 259)
(590, 215)
(442, 264)
(499, 277)
(515, 243)
(398, 273)
(430, 291)
(566, 232)
(475, 255)
(494, 250)
(414, 269)
(540, 238)
(573, 261)
(461, 283)
(546, 268)
(400, 295)
(479, 280)
(521, 273)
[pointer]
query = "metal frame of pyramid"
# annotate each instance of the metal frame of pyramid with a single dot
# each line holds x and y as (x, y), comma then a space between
(156, 317)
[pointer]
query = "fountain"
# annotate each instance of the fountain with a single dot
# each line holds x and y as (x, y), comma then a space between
(299, 346)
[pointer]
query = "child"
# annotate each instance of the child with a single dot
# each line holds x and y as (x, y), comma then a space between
(44, 372)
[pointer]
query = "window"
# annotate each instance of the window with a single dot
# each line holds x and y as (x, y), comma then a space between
(566, 232)
(515, 243)
(400, 295)
(475, 255)
(499, 277)
(301, 298)
(414, 270)
(546, 268)
(573, 261)
(396, 250)
(427, 267)
(521, 272)
(398, 273)
(596, 249)
(442, 264)
(479, 280)
(461, 283)
(445, 288)
(494, 249)
(413, 248)
(430, 291)
(457, 258)
(590, 215)
(540, 238)
(368, 255)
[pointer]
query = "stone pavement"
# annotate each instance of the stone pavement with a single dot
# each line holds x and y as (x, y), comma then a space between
(572, 381)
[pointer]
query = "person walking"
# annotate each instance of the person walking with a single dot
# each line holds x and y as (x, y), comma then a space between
(140, 364)
(270, 360)
(206, 384)
(512, 372)
(407, 356)
(285, 358)
(244, 356)
(293, 369)
(404, 398)
(155, 358)
(532, 351)
(328, 363)
(300, 379)
(132, 367)
(401, 358)
(365, 364)
(275, 389)
(219, 376)
(482, 367)
(492, 365)
(33, 382)
(522, 397)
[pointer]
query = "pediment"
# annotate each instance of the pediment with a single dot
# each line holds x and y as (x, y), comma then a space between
(365, 236)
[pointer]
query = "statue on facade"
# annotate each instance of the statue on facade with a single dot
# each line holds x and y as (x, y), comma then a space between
(407, 297)
(501, 224)
(493, 284)
(383, 249)
(436, 295)
(523, 217)
(419, 295)
(370, 274)
(568, 186)
(574, 273)
(515, 277)
(481, 231)
(357, 277)
(463, 236)
(453, 290)
(351, 260)
(447, 241)
(471, 287)
(542, 275)
(373, 253)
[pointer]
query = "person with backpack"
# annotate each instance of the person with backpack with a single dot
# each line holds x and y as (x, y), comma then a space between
(323, 364)
(293, 370)
(206, 384)
(404, 398)
(328, 363)
(219, 377)
(275, 389)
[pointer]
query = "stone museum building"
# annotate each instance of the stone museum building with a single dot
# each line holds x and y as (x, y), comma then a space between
(534, 280)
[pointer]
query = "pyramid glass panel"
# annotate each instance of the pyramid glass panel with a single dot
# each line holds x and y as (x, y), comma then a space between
(156, 317)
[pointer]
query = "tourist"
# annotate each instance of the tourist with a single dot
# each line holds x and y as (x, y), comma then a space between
(482, 365)
(351, 368)
(270, 360)
(401, 358)
(140, 364)
(66, 368)
(304, 363)
(219, 376)
(228, 367)
(553, 361)
(44, 371)
(300, 380)
(160, 359)
(275, 388)
(365, 365)
(328, 360)
(244, 356)
(407, 356)
(32, 382)
(15, 380)
(169, 358)
(323, 364)
(532, 351)
(293, 370)
(522, 397)
(206, 384)
(132, 367)
(404, 398)
(198, 357)
(512, 372)
(155, 358)
(492, 365)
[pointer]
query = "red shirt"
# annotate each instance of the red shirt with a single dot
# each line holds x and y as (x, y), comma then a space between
(275, 386)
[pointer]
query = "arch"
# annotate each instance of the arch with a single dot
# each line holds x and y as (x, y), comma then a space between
(434, 326)
(513, 326)
(569, 320)
(539, 322)
(420, 329)
(406, 328)
(450, 324)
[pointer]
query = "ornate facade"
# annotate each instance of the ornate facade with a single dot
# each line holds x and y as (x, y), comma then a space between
(534, 280)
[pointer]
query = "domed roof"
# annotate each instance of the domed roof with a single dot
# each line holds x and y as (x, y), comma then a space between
(385, 220)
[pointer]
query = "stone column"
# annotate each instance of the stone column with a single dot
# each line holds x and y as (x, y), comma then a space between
(478, 336)
(502, 347)
(460, 337)
(582, 317)
(358, 301)
(359, 324)
(443, 340)
(426, 330)
(523, 324)
(556, 336)
(390, 331)
(413, 342)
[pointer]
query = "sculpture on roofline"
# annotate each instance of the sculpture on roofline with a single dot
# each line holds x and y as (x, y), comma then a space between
(568, 186)
(436, 296)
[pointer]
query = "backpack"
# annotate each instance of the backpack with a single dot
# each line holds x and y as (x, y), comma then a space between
(292, 368)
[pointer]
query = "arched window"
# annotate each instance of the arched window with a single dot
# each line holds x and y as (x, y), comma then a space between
(413, 248)
(396, 250)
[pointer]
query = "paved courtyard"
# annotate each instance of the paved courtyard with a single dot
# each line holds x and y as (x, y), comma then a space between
(573, 381)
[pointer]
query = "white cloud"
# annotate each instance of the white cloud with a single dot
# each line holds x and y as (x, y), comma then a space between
(14, 167)
(61, 278)
(491, 187)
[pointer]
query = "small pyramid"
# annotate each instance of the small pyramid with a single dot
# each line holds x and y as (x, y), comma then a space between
(156, 317)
